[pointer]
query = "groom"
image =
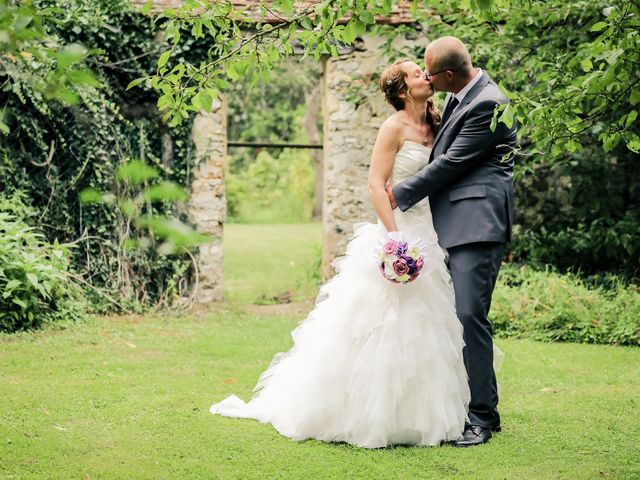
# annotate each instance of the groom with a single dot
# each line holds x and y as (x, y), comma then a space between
(470, 191)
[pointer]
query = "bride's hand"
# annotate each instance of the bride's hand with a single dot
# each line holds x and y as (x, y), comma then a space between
(392, 199)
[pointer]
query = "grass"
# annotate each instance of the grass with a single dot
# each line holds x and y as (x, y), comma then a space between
(128, 398)
(268, 260)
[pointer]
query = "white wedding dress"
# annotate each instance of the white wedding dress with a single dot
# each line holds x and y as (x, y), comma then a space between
(375, 363)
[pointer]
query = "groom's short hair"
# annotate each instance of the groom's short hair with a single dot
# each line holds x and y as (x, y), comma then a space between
(449, 53)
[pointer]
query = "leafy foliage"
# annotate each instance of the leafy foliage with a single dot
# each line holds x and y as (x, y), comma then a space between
(35, 286)
(242, 48)
(53, 151)
(273, 190)
(271, 111)
(134, 201)
(272, 185)
(30, 55)
(544, 305)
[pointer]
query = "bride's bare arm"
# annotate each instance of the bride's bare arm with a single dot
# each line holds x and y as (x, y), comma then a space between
(382, 158)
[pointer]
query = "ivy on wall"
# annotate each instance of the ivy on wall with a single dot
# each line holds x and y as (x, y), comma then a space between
(54, 150)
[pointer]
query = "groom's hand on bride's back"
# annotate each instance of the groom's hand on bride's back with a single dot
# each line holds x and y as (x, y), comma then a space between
(392, 199)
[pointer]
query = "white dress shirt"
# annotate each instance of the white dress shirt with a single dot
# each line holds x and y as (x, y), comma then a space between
(463, 93)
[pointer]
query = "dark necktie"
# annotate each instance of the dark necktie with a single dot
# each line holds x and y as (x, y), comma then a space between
(449, 110)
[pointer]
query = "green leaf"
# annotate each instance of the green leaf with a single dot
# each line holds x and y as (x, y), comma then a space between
(634, 146)
(136, 82)
(19, 302)
(136, 172)
(586, 64)
(635, 97)
(286, 6)
(65, 95)
(206, 101)
(494, 121)
(12, 284)
(146, 8)
(195, 102)
(367, 17)
(359, 27)
(610, 141)
(33, 279)
(70, 55)
(614, 55)
(164, 58)
(598, 26)
(273, 55)
(128, 207)
(83, 77)
(350, 32)
(176, 233)
(90, 195)
(165, 102)
(232, 72)
(507, 116)
(305, 22)
(631, 117)
(165, 191)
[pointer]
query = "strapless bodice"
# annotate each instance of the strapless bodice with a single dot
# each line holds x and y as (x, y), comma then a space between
(410, 159)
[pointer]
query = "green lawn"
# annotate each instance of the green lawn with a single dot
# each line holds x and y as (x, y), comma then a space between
(128, 397)
(268, 260)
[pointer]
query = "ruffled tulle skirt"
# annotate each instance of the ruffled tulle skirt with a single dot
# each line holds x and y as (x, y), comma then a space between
(375, 363)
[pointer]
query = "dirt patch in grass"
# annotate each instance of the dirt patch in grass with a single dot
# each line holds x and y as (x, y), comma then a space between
(294, 308)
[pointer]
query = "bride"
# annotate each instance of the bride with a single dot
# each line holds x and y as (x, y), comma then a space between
(376, 363)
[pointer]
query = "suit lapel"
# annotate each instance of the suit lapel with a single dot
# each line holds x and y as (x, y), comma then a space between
(473, 93)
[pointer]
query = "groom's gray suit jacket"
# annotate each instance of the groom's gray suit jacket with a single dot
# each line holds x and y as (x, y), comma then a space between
(468, 183)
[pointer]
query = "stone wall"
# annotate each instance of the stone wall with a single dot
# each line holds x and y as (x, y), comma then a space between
(349, 134)
(207, 202)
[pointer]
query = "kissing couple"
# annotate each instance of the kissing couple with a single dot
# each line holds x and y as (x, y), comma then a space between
(378, 363)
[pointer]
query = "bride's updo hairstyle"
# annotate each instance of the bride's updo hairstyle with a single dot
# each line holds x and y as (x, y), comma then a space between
(392, 83)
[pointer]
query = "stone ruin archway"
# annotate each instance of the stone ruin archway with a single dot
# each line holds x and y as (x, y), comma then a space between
(349, 133)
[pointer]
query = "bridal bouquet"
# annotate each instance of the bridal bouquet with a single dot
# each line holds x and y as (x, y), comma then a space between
(401, 257)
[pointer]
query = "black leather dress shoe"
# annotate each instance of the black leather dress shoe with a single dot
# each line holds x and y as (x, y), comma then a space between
(474, 435)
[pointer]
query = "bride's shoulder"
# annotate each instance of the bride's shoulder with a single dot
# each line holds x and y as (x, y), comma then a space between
(392, 126)
(395, 120)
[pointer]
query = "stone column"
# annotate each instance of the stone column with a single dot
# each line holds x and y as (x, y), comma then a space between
(350, 131)
(207, 204)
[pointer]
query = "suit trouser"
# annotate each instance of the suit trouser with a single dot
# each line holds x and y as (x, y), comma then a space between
(474, 269)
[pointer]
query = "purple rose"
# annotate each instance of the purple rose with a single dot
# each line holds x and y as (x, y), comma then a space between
(390, 247)
(400, 267)
(402, 248)
(411, 263)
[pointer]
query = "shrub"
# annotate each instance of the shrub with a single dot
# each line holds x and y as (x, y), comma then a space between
(545, 305)
(273, 189)
(54, 151)
(35, 285)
